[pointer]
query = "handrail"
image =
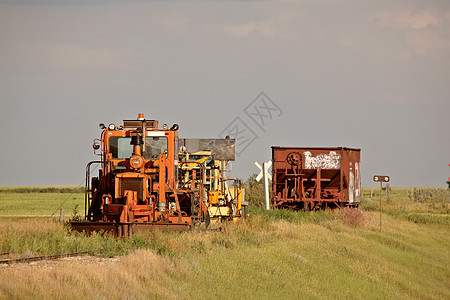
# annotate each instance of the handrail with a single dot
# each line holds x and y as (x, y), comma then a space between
(87, 187)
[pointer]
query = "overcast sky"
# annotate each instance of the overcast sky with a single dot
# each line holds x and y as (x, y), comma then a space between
(368, 74)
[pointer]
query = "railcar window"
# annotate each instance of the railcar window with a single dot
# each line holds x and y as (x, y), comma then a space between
(120, 147)
(155, 145)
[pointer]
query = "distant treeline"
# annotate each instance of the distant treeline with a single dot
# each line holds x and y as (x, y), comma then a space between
(64, 189)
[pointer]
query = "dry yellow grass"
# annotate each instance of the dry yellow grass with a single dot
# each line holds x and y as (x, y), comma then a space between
(287, 255)
(140, 275)
(256, 259)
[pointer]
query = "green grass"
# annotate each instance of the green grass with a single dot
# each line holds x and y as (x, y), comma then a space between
(407, 205)
(42, 189)
(31, 236)
(40, 203)
(273, 254)
(309, 261)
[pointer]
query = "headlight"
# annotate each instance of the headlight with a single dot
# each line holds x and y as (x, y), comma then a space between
(111, 126)
(137, 162)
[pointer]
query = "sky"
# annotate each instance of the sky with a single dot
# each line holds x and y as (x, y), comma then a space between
(369, 74)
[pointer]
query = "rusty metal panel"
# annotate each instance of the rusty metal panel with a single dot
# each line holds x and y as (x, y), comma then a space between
(89, 227)
(135, 124)
(132, 184)
(222, 149)
(310, 178)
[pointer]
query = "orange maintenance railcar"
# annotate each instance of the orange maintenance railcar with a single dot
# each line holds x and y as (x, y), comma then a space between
(137, 185)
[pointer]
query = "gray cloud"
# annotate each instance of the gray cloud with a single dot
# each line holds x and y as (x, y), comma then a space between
(102, 2)
(370, 75)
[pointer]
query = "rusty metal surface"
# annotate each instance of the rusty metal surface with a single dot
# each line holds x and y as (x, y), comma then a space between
(134, 124)
(311, 178)
(89, 227)
(222, 149)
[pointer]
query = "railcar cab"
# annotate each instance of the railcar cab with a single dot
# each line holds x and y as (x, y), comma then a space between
(136, 157)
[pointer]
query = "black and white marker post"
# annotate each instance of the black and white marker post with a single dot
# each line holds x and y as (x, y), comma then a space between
(381, 179)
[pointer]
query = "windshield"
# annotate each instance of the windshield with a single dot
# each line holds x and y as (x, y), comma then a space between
(120, 147)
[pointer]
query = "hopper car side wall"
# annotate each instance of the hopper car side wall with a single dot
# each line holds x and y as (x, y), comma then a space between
(315, 177)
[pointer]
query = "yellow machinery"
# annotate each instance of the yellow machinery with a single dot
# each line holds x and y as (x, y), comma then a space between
(225, 196)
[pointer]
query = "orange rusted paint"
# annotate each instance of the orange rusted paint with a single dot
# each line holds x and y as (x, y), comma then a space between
(137, 185)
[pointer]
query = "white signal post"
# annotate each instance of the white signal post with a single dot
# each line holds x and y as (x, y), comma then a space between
(266, 176)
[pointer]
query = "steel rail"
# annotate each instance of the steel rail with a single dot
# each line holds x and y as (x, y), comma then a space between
(43, 257)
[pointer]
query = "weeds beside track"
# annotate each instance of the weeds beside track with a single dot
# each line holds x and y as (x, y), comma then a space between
(272, 254)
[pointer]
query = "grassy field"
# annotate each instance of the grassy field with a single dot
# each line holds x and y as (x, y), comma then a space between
(41, 200)
(273, 254)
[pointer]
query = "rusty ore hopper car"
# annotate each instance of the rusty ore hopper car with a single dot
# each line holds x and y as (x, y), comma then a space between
(312, 178)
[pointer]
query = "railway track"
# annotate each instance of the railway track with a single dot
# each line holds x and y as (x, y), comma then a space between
(37, 258)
